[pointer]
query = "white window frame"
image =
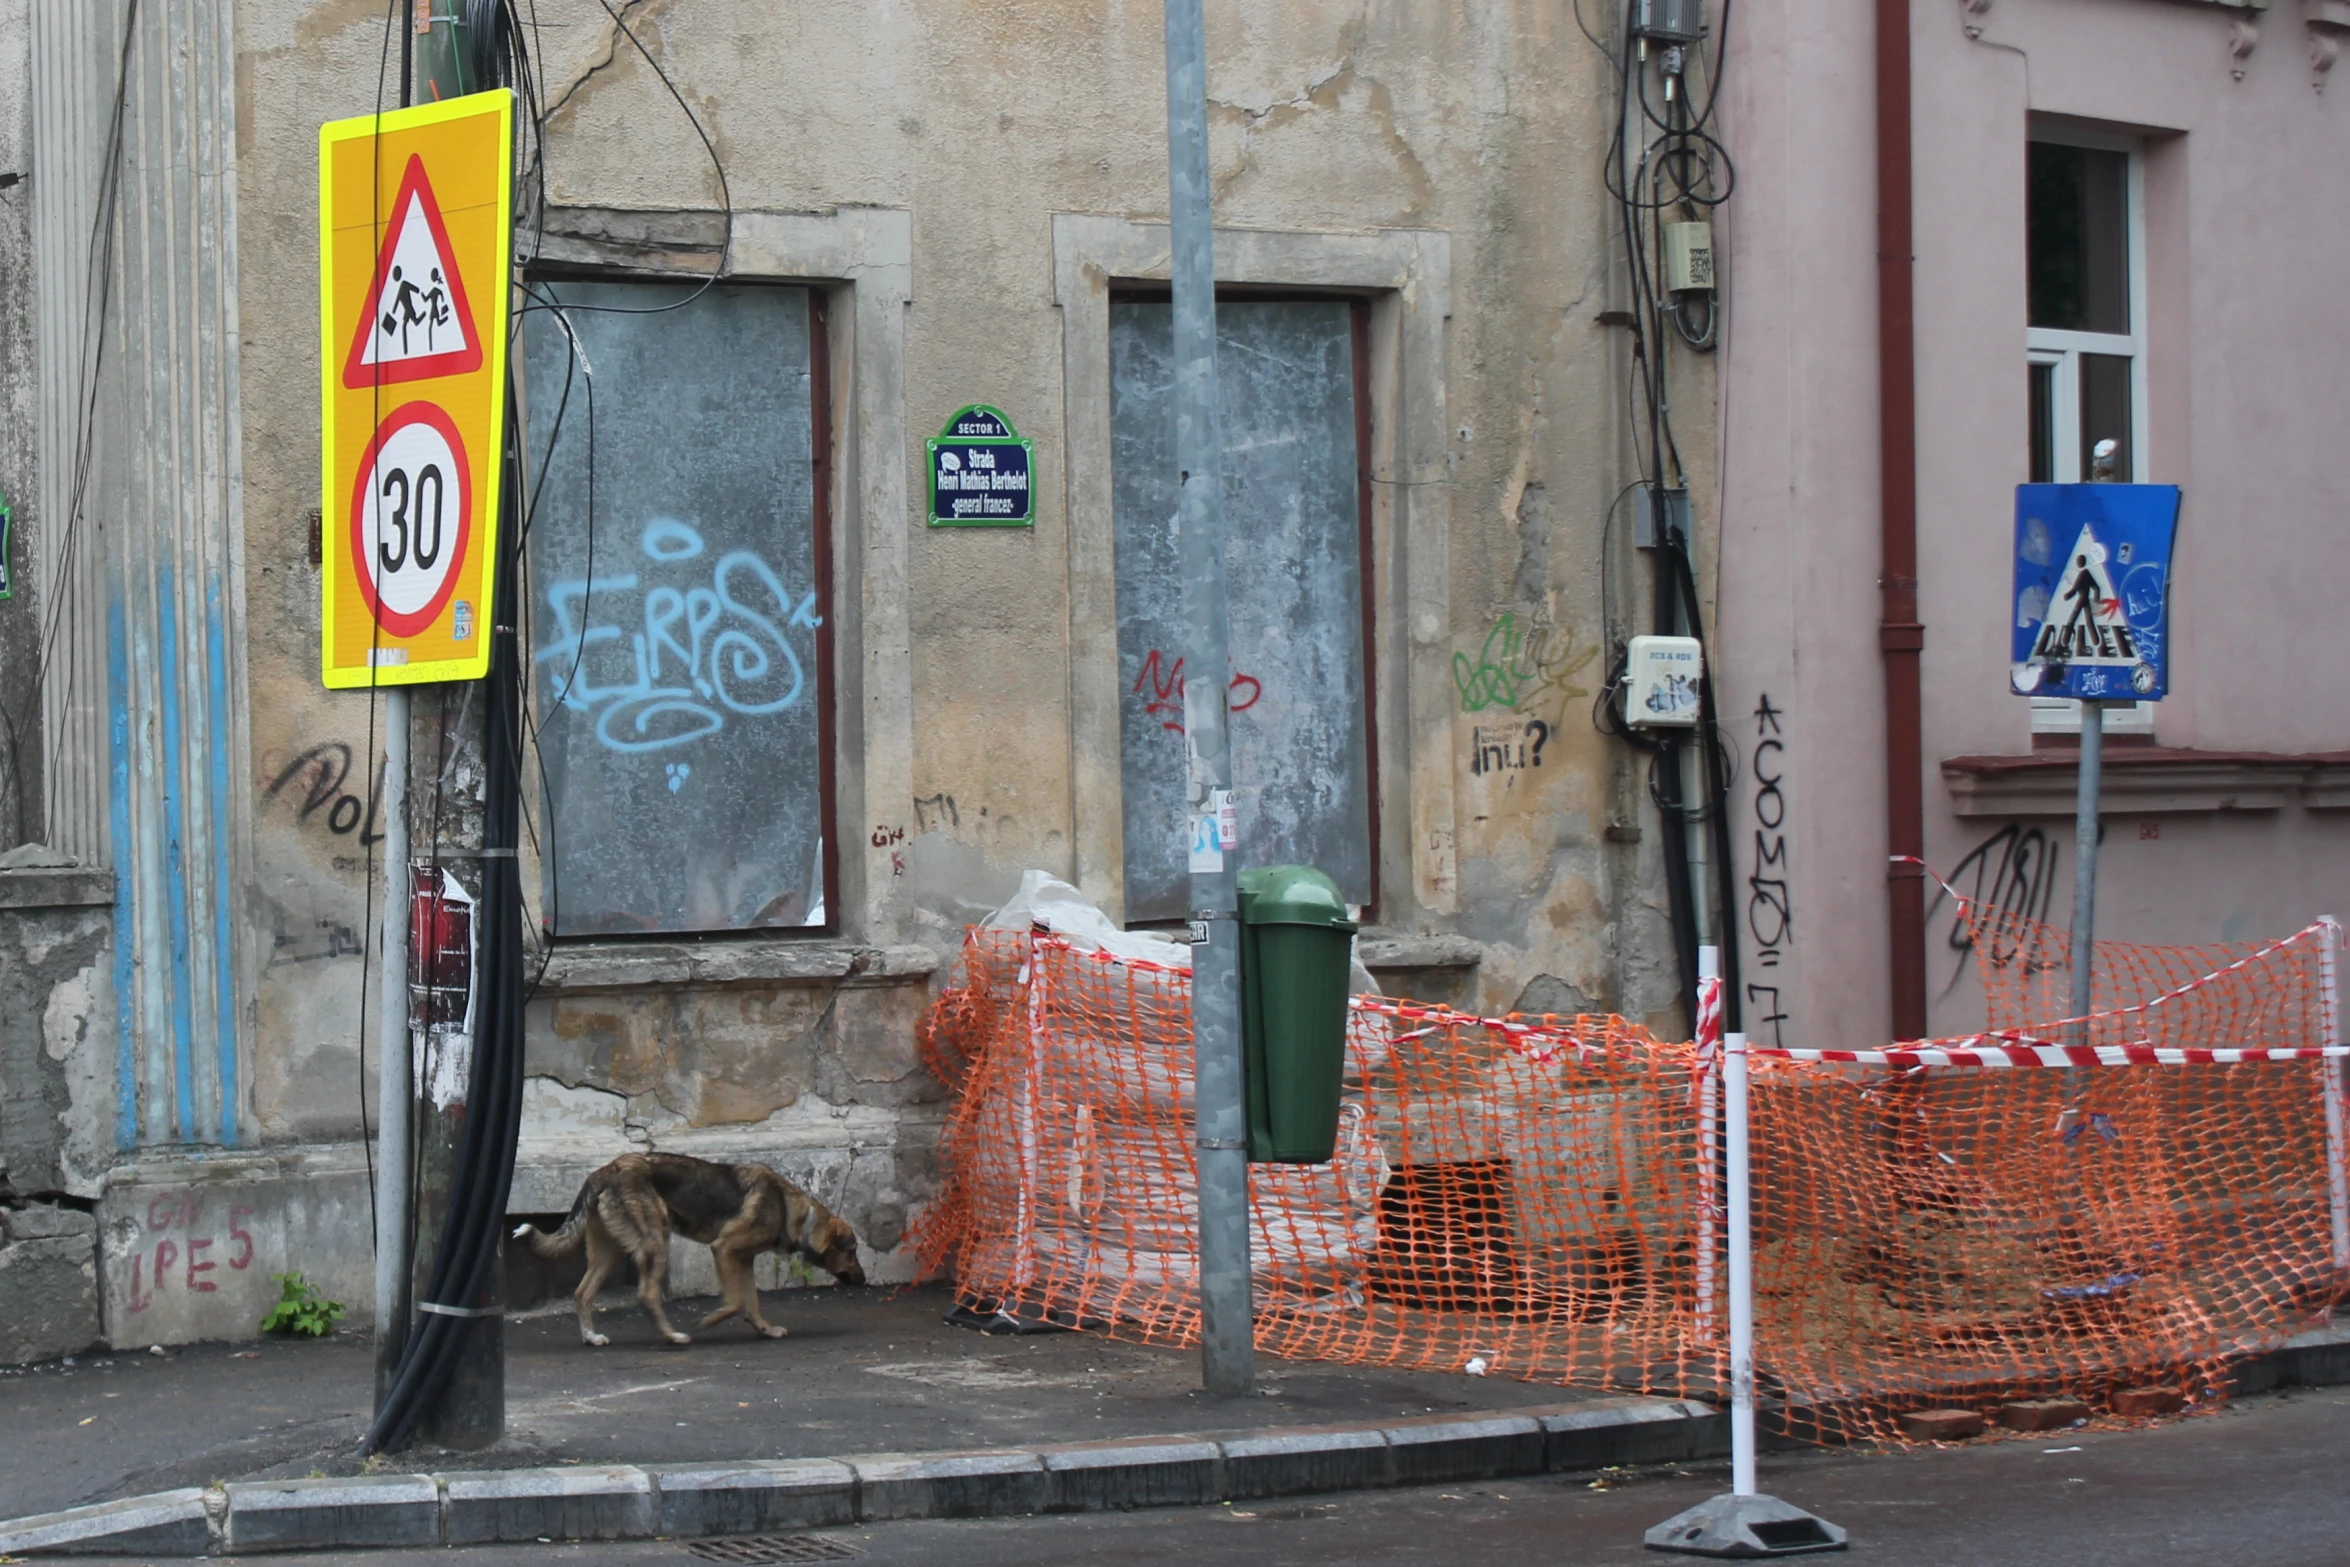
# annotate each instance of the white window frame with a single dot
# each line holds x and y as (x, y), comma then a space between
(2063, 350)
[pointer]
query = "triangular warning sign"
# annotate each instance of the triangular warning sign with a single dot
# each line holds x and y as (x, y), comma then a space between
(418, 323)
(2085, 623)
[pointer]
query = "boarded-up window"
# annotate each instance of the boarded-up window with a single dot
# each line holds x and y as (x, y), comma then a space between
(678, 606)
(1296, 529)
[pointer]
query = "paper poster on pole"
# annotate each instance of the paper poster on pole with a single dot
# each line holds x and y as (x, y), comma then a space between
(2091, 609)
(415, 214)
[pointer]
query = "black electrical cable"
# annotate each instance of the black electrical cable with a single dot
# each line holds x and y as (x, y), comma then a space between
(464, 1268)
(1682, 168)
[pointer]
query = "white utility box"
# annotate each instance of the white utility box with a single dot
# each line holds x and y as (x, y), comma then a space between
(1660, 682)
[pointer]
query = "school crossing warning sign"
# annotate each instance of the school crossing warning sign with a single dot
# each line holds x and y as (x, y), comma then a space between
(2092, 590)
(414, 214)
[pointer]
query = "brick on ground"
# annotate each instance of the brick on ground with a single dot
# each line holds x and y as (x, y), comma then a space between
(2148, 1401)
(2042, 1414)
(1941, 1425)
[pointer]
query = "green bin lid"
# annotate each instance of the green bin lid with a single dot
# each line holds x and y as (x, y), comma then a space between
(1292, 895)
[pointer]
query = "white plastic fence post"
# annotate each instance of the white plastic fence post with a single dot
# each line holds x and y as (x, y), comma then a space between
(1708, 1143)
(1741, 1268)
(2329, 969)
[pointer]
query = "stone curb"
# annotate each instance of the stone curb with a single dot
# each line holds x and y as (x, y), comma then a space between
(672, 1501)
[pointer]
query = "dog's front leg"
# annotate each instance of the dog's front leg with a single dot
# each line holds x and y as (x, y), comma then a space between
(750, 1301)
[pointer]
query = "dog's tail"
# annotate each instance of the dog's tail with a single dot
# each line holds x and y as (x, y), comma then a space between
(566, 1240)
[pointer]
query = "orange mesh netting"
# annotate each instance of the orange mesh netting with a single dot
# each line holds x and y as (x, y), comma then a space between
(1930, 1225)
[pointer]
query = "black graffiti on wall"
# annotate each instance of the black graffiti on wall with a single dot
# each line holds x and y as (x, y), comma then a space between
(315, 780)
(1770, 907)
(2009, 879)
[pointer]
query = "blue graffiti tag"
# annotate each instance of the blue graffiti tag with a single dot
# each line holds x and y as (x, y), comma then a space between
(694, 656)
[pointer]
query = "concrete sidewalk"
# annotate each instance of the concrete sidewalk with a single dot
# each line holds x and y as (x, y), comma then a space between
(873, 1410)
(864, 1371)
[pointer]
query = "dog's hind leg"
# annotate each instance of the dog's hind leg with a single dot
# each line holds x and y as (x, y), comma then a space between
(603, 1255)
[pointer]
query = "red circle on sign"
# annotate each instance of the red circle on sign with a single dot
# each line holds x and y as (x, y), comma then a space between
(408, 623)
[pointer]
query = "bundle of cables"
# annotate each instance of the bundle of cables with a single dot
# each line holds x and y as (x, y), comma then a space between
(463, 1284)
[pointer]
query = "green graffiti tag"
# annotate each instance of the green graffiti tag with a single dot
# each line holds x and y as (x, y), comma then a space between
(1521, 670)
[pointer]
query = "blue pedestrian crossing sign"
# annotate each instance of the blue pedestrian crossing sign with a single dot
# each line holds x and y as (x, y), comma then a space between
(2091, 612)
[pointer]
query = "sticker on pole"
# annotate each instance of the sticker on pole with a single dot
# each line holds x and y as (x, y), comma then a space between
(2091, 611)
(415, 213)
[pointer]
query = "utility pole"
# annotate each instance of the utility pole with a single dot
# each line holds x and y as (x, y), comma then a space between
(470, 1412)
(1227, 1328)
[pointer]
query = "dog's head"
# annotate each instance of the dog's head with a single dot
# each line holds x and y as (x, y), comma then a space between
(825, 1239)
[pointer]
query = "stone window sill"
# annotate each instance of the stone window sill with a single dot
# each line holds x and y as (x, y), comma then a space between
(1390, 951)
(2151, 780)
(588, 967)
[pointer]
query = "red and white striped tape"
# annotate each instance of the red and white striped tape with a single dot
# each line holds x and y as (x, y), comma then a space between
(1984, 1051)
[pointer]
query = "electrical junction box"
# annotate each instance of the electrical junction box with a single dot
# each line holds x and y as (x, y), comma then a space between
(1660, 682)
(1674, 21)
(1654, 524)
(1689, 257)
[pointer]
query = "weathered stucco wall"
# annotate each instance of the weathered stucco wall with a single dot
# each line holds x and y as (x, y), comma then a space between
(20, 712)
(56, 1025)
(984, 121)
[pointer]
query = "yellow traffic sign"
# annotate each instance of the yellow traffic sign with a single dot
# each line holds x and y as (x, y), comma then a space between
(415, 210)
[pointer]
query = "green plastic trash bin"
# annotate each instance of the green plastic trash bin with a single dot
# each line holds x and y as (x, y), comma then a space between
(1296, 944)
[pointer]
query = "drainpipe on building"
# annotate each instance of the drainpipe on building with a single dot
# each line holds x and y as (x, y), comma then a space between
(1900, 637)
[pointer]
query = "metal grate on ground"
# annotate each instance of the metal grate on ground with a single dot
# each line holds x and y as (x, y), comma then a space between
(774, 1548)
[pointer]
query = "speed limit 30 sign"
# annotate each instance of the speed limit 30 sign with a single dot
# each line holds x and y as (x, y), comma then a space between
(414, 216)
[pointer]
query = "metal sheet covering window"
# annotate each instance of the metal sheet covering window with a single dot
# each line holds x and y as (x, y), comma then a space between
(1291, 378)
(679, 608)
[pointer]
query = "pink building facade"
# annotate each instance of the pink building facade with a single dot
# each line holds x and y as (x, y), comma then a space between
(2216, 144)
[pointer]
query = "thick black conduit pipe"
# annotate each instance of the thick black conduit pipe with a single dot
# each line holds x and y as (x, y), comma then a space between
(465, 1266)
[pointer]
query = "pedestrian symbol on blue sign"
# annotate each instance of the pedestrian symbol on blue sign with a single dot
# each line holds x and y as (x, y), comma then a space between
(2092, 590)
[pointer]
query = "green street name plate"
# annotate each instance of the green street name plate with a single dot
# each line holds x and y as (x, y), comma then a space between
(979, 473)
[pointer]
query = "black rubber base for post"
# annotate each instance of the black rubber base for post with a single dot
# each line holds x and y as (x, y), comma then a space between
(1745, 1526)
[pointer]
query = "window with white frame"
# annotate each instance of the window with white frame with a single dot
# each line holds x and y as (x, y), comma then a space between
(2086, 344)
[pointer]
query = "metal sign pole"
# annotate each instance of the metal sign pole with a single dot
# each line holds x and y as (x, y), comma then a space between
(393, 1097)
(1227, 1334)
(2085, 862)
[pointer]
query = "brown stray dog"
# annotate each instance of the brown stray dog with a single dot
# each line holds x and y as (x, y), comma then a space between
(629, 1207)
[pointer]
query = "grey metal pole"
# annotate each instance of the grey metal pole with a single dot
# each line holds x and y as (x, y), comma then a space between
(393, 1097)
(2085, 860)
(394, 1222)
(1227, 1329)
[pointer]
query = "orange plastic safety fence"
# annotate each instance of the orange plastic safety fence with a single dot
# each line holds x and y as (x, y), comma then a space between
(2242, 995)
(1541, 1195)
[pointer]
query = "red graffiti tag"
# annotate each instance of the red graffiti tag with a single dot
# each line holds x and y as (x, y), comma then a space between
(151, 1273)
(1160, 685)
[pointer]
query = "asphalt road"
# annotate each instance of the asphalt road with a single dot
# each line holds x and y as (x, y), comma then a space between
(2266, 1481)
